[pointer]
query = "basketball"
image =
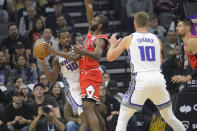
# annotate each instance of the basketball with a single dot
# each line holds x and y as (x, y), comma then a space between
(39, 51)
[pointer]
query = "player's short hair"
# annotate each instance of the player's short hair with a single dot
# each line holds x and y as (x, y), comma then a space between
(141, 19)
(187, 22)
(104, 21)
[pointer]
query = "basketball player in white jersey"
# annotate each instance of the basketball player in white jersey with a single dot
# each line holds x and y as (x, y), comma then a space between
(146, 80)
(69, 71)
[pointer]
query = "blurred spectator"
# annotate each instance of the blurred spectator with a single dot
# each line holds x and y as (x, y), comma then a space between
(23, 11)
(106, 79)
(43, 79)
(168, 48)
(114, 91)
(19, 50)
(13, 39)
(13, 87)
(164, 9)
(58, 11)
(3, 13)
(26, 22)
(38, 28)
(156, 29)
(170, 68)
(26, 92)
(134, 6)
(72, 120)
(47, 37)
(41, 2)
(79, 39)
(3, 125)
(23, 69)
(18, 115)
(4, 70)
(47, 8)
(41, 100)
(148, 110)
(51, 123)
(41, 121)
(58, 94)
(61, 26)
(113, 108)
(2, 99)
(13, 7)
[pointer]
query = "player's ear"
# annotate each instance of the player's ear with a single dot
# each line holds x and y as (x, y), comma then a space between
(187, 28)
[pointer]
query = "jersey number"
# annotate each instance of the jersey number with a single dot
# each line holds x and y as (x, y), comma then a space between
(147, 53)
(73, 66)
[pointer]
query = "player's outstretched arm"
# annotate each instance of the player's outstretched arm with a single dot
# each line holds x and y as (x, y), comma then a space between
(89, 10)
(53, 74)
(66, 55)
(117, 47)
(96, 55)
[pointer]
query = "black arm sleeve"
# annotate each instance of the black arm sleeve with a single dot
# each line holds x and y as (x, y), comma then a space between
(194, 73)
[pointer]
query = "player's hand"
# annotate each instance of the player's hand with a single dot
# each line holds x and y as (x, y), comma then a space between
(181, 79)
(77, 49)
(50, 49)
(113, 41)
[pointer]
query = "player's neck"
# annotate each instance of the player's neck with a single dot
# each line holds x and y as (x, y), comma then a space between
(185, 38)
(141, 30)
(97, 32)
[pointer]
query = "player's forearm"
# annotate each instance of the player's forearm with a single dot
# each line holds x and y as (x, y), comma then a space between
(89, 10)
(48, 74)
(92, 55)
(68, 56)
(112, 54)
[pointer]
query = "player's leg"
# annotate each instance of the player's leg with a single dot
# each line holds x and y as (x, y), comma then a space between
(89, 110)
(84, 122)
(161, 98)
(101, 120)
(170, 118)
(123, 118)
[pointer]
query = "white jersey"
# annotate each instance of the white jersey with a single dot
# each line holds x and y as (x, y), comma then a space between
(144, 52)
(70, 71)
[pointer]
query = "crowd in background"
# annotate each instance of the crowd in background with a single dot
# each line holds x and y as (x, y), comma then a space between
(43, 20)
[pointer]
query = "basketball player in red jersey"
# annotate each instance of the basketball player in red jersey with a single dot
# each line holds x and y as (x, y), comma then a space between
(184, 29)
(90, 73)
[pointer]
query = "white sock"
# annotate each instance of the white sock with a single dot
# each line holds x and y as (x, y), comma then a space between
(170, 118)
(123, 118)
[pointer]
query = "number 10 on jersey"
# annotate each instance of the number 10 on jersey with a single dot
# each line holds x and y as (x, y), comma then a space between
(147, 53)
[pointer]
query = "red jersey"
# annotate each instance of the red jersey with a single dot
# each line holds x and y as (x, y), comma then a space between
(191, 58)
(86, 63)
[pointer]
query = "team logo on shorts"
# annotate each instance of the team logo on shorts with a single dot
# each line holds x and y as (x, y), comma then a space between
(90, 91)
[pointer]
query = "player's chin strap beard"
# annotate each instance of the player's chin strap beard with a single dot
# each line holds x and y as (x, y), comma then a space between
(94, 27)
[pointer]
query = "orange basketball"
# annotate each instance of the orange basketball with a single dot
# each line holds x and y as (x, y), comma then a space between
(39, 51)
